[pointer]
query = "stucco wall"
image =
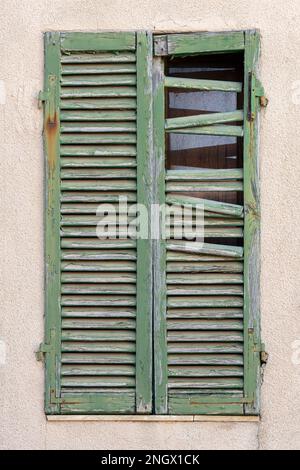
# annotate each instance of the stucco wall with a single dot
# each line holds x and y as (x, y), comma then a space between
(23, 424)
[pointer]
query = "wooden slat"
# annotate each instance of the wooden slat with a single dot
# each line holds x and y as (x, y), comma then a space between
(205, 267)
(114, 57)
(100, 382)
(203, 120)
(97, 104)
(100, 358)
(101, 174)
(105, 289)
(98, 255)
(226, 130)
(113, 323)
(197, 313)
(96, 196)
(98, 370)
(205, 359)
(88, 127)
(98, 312)
(98, 92)
(197, 43)
(205, 301)
(193, 336)
(98, 335)
(99, 266)
(97, 243)
(187, 290)
(97, 69)
(98, 80)
(178, 279)
(203, 85)
(205, 248)
(212, 347)
(123, 150)
(99, 300)
(98, 347)
(102, 185)
(103, 138)
(98, 278)
(205, 324)
(98, 162)
(209, 186)
(202, 371)
(205, 174)
(207, 204)
(94, 42)
(92, 115)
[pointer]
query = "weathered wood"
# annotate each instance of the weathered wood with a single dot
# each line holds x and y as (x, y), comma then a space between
(205, 174)
(103, 174)
(177, 279)
(123, 150)
(102, 323)
(86, 127)
(98, 69)
(186, 336)
(252, 229)
(103, 138)
(98, 162)
(203, 120)
(98, 92)
(102, 185)
(203, 85)
(100, 358)
(99, 266)
(205, 267)
(205, 301)
(207, 204)
(96, 196)
(229, 130)
(144, 373)
(187, 290)
(188, 324)
(204, 359)
(98, 312)
(97, 104)
(197, 43)
(94, 42)
(52, 205)
(159, 246)
(98, 278)
(213, 347)
(98, 347)
(213, 313)
(98, 80)
(97, 370)
(203, 371)
(205, 248)
(209, 186)
(96, 115)
(99, 255)
(114, 57)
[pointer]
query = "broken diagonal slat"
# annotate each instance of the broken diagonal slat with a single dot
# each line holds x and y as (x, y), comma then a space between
(205, 248)
(208, 205)
(234, 131)
(203, 120)
(204, 85)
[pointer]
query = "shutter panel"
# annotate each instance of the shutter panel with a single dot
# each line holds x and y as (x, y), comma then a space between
(206, 294)
(98, 301)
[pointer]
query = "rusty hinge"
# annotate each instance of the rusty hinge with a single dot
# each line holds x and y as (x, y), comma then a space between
(260, 93)
(260, 348)
(255, 90)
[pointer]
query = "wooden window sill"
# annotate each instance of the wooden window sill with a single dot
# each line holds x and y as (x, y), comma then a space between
(153, 418)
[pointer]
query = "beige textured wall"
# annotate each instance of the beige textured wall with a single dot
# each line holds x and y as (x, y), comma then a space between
(22, 422)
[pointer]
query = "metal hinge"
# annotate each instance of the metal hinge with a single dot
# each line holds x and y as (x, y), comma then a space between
(42, 97)
(45, 347)
(161, 45)
(260, 93)
(260, 348)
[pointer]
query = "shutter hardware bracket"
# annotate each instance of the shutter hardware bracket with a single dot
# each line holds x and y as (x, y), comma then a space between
(46, 347)
(260, 348)
(42, 97)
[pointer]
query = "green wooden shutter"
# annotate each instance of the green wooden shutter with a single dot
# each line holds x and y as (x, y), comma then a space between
(98, 292)
(207, 341)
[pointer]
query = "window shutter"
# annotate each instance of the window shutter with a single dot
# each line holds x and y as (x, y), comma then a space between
(98, 291)
(207, 341)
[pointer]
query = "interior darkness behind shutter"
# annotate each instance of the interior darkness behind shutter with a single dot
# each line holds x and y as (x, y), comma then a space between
(98, 301)
(207, 297)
